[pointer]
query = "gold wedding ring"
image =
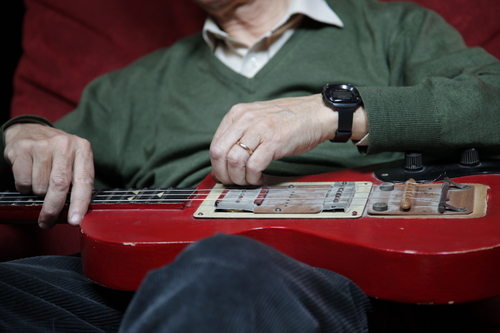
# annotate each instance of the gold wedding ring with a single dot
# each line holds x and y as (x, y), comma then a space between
(244, 146)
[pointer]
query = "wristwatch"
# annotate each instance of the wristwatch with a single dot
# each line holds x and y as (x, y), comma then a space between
(344, 99)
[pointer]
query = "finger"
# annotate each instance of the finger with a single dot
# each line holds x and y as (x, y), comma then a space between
(218, 161)
(256, 165)
(22, 169)
(220, 157)
(237, 159)
(42, 165)
(83, 185)
(231, 128)
(59, 184)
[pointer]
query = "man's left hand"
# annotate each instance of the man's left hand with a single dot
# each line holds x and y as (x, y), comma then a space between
(252, 135)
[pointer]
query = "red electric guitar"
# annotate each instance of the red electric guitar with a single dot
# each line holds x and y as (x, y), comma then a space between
(435, 242)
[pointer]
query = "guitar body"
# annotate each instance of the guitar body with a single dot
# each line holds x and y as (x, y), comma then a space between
(424, 259)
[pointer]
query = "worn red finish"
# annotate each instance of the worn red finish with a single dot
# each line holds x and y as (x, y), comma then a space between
(432, 260)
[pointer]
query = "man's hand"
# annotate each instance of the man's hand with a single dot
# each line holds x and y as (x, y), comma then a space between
(271, 130)
(47, 162)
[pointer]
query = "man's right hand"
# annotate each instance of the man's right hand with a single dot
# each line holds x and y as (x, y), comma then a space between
(48, 162)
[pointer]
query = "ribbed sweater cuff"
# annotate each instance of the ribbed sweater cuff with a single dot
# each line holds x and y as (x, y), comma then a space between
(401, 118)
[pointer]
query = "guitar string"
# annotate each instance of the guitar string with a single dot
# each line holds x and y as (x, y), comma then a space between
(159, 194)
(156, 191)
(172, 201)
(136, 198)
(173, 192)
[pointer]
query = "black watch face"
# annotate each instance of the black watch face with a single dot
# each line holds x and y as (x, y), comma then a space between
(342, 96)
(342, 93)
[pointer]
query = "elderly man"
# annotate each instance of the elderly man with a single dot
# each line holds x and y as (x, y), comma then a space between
(248, 97)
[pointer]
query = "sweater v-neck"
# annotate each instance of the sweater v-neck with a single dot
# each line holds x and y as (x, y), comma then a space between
(220, 71)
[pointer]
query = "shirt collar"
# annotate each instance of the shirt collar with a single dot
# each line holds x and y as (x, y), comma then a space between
(317, 10)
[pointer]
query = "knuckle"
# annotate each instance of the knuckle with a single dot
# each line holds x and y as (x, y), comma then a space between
(10, 155)
(216, 152)
(238, 108)
(64, 141)
(60, 183)
(241, 112)
(84, 144)
(234, 161)
(19, 146)
(32, 146)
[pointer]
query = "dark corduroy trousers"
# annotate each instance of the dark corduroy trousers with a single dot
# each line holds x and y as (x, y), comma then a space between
(220, 284)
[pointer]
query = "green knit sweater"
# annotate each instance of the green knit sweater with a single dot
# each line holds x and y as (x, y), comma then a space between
(151, 123)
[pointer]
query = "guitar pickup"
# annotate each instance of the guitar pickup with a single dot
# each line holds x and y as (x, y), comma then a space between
(287, 200)
(340, 196)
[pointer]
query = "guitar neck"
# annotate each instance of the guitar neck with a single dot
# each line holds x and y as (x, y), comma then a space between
(18, 208)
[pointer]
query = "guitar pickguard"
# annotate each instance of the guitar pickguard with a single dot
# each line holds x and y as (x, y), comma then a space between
(321, 200)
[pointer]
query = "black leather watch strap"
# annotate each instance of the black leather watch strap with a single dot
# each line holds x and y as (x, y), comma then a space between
(344, 130)
(344, 99)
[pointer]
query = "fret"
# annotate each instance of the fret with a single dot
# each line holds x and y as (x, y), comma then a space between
(156, 195)
(139, 196)
(143, 196)
(115, 196)
(16, 199)
(181, 195)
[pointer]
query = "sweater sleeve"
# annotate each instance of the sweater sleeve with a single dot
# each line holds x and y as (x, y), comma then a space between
(443, 95)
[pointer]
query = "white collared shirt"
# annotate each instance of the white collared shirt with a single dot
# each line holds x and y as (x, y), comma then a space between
(248, 60)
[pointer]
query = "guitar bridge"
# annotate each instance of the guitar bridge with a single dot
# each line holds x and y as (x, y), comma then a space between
(412, 199)
(287, 200)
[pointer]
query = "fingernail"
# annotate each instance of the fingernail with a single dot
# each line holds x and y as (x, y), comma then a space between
(43, 225)
(75, 219)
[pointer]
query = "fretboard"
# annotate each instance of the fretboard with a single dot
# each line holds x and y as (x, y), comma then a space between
(115, 196)
(17, 208)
